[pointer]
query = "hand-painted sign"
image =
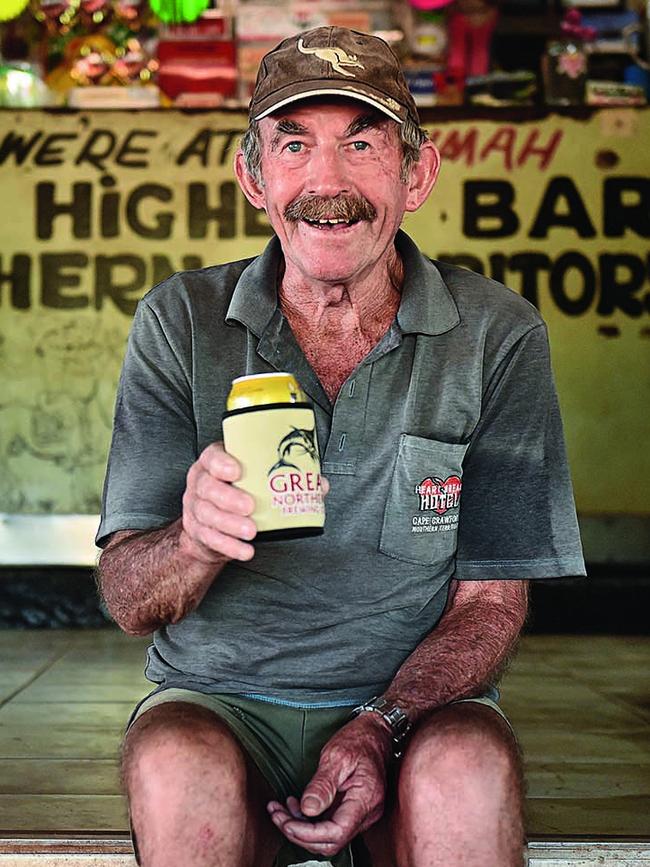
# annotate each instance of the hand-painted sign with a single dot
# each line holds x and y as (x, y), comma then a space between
(99, 207)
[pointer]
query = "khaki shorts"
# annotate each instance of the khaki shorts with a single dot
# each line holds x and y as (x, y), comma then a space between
(285, 744)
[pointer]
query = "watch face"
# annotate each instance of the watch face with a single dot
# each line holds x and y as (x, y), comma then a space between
(394, 716)
(400, 722)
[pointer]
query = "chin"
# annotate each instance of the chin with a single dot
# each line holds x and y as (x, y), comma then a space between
(333, 274)
(342, 260)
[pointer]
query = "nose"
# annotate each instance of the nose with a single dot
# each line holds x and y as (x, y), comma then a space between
(328, 172)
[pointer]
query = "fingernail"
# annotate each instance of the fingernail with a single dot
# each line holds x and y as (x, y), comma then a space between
(311, 802)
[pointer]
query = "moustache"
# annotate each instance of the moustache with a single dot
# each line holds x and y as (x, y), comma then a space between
(350, 208)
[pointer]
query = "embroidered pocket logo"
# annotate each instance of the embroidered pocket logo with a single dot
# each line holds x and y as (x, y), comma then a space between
(438, 496)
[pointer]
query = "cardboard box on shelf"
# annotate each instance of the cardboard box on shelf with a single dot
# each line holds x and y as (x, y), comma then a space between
(614, 93)
(197, 66)
(111, 96)
(430, 85)
(211, 24)
(257, 21)
(616, 32)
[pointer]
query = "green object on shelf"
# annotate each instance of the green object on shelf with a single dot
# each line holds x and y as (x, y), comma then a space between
(177, 11)
(22, 87)
(11, 8)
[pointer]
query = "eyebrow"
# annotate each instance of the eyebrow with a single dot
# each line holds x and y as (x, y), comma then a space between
(286, 127)
(369, 120)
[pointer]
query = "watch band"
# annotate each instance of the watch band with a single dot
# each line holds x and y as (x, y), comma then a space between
(394, 716)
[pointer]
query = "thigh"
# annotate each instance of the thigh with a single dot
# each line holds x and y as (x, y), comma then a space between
(468, 740)
(191, 783)
(265, 732)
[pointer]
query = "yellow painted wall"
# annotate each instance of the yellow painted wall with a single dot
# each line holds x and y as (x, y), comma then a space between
(96, 207)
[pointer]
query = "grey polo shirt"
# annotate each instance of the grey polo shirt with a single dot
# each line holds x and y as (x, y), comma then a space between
(444, 451)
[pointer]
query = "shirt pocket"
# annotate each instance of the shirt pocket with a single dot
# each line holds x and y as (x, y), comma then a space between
(421, 515)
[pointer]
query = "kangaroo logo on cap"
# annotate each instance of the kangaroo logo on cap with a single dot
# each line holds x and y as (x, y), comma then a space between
(336, 56)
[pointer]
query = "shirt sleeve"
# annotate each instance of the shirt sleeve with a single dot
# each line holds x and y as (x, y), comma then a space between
(154, 433)
(517, 513)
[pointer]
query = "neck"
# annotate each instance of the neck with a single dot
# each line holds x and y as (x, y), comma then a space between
(337, 325)
(366, 306)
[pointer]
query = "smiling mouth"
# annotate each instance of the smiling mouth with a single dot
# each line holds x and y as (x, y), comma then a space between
(330, 213)
(333, 223)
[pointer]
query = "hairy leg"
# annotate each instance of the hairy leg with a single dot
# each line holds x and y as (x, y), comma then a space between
(195, 797)
(459, 796)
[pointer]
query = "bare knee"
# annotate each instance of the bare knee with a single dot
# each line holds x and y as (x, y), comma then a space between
(463, 752)
(193, 793)
(459, 797)
(177, 738)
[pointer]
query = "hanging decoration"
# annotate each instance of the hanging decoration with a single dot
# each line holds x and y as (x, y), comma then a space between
(179, 11)
(132, 13)
(86, 61)
(57, 15)
(93, 12)
(133, 63)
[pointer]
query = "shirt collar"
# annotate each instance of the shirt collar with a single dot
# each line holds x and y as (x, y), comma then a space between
(255, 298)
(427, 306)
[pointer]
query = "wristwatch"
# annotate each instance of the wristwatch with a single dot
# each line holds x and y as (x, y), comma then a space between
(394, 716)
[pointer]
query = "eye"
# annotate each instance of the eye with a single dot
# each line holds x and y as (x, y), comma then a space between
(294, 147)
(360, 145)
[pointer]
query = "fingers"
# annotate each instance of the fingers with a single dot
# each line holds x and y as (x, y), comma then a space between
(319, 794)
(342, 799)
(217, 520)
(216, 515)
(283, 818)
(212, 545)
(293, 805)
(215, 461)
(324, 837)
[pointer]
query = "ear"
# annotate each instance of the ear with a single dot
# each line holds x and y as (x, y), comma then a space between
(423, 176)
(253, 191)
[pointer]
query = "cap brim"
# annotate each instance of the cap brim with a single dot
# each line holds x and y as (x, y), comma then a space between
(313, 90)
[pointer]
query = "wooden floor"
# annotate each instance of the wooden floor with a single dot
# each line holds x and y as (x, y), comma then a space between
(580, 705)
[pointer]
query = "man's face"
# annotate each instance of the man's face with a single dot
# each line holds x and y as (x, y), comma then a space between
(337, 160)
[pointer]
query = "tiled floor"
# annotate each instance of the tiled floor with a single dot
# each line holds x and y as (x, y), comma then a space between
(581, 707)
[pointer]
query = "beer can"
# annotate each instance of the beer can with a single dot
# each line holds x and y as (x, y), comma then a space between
(270, 427)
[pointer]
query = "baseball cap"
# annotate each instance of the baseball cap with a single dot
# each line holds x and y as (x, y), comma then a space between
(332, 61)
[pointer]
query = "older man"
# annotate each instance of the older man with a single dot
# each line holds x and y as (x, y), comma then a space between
(334, 696)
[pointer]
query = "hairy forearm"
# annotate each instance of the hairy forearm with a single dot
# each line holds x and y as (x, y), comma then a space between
(151, 579)
(467, 650)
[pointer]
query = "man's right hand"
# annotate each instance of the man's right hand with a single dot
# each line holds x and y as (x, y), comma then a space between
(216, 522)
(155, 577)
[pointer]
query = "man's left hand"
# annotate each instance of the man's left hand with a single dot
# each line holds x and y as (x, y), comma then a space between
(346, 794)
